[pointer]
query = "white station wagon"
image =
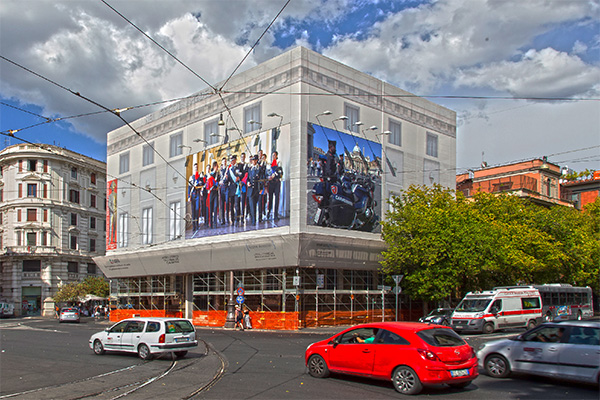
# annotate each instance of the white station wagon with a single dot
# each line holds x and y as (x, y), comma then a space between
(147, 337)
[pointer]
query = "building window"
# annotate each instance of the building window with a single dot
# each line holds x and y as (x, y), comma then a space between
(72, 267)
(73, 219)
(209, 129)
(74, 196)
(73, 242)
(45, 163)
(93, 200)
(92, 222)
(45, 215)
(91, 269)
(20, 190)
(31, 239)
(147, 225)
(18, 238)
(148, 154)
(1, 194)
(31, 214)
(252, 113)
(353, 117)
(123, 230)
(93, 245)
(32, 165)
(20, 165)
(432, 145)
(396, 136)
(19, 215)
(32, 265)
(175, 143)
(124, 163)
(32, 190)
(44, 238)
(74, 173)
(174, 220)
(45, 191)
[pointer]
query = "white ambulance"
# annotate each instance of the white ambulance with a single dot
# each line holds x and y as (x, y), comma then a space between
(500, 308)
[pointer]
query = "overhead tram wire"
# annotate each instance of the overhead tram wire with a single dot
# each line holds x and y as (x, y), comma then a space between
(116, 112)
(159, 45)
(253, 46)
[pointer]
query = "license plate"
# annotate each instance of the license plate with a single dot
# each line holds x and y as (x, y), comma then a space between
(317, 215)
(182, 339)
(459, 372)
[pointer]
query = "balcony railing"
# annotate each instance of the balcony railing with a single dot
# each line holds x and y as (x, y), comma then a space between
(27, 250)
(507, 184)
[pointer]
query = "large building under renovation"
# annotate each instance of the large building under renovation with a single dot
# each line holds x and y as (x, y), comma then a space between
(193, 226)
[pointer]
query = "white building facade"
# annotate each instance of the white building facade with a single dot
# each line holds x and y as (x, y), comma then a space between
(168, 253)
(53, 213)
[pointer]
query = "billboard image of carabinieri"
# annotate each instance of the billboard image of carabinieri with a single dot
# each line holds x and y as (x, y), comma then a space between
(344, 180)
(240, 185)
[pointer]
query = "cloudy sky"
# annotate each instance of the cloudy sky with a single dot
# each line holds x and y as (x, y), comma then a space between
(523, 76)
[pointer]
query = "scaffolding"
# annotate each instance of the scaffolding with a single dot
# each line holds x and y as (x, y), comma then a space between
(313, 296)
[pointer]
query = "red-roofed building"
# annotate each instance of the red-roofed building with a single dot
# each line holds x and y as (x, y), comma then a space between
(537, 180)
(582, 192)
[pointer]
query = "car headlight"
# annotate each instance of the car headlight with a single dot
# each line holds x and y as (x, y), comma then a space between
(437, 320)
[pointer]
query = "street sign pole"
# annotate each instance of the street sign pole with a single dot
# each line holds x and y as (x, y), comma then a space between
(397, 279)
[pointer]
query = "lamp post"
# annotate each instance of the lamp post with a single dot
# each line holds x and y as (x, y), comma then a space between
(230, 318)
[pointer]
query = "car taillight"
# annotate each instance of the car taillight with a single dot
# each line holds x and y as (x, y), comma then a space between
(428, 355)
(161, 338)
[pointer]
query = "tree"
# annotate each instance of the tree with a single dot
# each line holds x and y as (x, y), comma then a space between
(75, 291)
(445, 244)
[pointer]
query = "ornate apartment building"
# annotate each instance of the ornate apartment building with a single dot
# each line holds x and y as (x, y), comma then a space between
(52, 213)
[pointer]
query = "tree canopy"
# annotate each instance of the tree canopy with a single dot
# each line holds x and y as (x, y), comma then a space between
(73, 292)
(445, 244)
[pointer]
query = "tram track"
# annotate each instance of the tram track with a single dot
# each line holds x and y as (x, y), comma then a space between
(87, 388)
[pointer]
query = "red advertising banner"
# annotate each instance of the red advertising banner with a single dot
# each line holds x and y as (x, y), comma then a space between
(111, 215)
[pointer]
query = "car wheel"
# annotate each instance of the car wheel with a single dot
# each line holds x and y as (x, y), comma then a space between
(460, 385)
(144, 352)
(98, 348)
(488, 328)
(180, 354)
(497, 366)
(317, 367)
(531, 324)
(406, 380)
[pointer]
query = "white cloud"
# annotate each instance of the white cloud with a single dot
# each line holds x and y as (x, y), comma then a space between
(545, 73)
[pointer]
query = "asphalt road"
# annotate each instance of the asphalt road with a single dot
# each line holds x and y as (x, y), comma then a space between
(42, 359)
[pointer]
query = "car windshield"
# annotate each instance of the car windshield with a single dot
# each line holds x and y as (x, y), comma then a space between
(441, 337)
(179, 326)
(473, 305)
(440, 311)
(69, 310)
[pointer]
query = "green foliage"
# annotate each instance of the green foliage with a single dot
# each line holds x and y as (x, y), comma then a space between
(447, 245)
(73, 292)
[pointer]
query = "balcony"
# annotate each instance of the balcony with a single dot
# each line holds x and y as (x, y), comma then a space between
(508, 184)
(31, 275)
(30, 250)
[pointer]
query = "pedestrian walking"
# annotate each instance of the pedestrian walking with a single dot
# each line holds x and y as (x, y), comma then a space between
(247, 321)
(239, 318)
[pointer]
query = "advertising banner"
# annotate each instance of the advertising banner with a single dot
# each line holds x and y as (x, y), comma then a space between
(111, 215)
(344, 180)
(239, 185)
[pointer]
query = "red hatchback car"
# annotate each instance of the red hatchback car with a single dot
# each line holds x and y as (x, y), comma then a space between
(411, 354)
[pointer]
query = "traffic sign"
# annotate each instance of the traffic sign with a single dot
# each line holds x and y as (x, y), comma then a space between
(240, 299)
(397, 278)
(382, 287)
(397, 290)
(240, 291)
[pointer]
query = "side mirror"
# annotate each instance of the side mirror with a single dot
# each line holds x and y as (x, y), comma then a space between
(107, 330)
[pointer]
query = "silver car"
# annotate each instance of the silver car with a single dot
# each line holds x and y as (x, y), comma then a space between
(147, 337)
(567, 350)
(69, 314)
